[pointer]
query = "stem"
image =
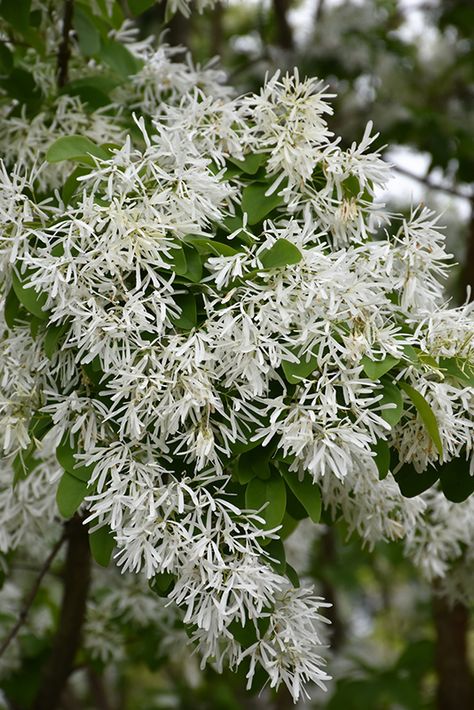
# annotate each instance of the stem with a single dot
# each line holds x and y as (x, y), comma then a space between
(31, 596)
(64, 51)
(455, 686)
(73, 609)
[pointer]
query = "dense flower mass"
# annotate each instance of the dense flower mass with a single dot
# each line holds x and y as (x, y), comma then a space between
(209, 322)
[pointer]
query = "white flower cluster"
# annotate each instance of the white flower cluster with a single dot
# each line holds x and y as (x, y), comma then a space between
(441, 545)
(221, 281)
(185, 6)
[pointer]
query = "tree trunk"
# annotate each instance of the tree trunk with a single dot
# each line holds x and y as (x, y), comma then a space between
(467, 278)
(455, 684)
(284, 33)
(73, 608)
(217, 30)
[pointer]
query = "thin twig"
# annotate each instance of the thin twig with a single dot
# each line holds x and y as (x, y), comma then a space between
(31, 596)
(64, 51)
(432, 185)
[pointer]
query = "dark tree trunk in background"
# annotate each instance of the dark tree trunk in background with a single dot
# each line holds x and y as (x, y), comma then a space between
(318, 13)
(217, 33)
(64, 51)
(455, 681)
(66, 643)
(455, 684)
(178, 29)
(327, 556)
(467, 278)
(284, 33)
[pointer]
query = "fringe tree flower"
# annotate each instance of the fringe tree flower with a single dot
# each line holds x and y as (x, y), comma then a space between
(211, 329)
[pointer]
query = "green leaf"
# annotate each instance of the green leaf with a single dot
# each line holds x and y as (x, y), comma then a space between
(138, 6)
(187, 320)
(90, 95)
(273, 491)
(351, 186)
(294, 507)
(6, 60)
(254, 464)
(72, 183)
(65, 454)
(39, 425)
(426, 414)
(256, 204)
(292, 575)
(178, 261)
(16, 12)
(289, 525)
(20, 85)
(375, 369)
(425, 359)
(282, 253)
(52, 338)
(119, 58)
(251, 163)
(35, 325)
(276, 550)
(103, 83)
(382, 458)
(11, 309)
(411, 354)
(391, 395)
(32, 301)
(24, 463)
(297, 371)
(162, 583)
(102, 543)
(87, 33)
(412, 483)
(245, 635)
(307, 492)
(459, 368)
(248, 431)
(457, 483)
(193, 260)
(78, 148)
(70, 494)
(210, 246)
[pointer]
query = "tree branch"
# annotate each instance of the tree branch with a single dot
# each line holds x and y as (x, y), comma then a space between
(73, 609)
(64, 51)
(431, 185)
(31, 596)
